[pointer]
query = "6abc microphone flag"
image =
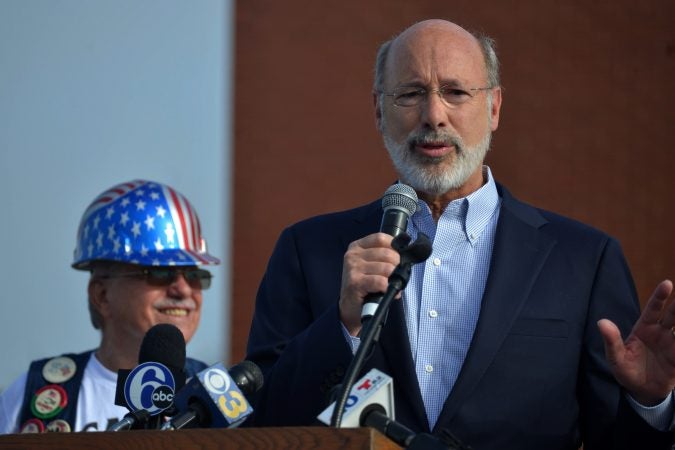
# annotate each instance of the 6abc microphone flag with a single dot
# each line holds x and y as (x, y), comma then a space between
(148, 389)
(150, 386)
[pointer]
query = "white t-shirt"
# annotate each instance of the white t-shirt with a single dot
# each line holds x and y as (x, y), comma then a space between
(96, 408)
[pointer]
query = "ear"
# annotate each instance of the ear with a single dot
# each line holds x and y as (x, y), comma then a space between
(496, 107)
(98, 297)
(378, 111)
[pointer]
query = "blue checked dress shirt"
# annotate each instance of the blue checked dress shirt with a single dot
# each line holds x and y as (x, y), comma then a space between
(443, 297)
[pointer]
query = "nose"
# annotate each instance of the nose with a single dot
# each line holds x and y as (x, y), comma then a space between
(434, 110)
(179, 288)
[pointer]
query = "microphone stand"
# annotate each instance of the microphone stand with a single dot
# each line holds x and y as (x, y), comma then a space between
(411, 254)
(132, 420)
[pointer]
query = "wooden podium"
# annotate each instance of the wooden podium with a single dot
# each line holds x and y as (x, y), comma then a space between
(289, 438)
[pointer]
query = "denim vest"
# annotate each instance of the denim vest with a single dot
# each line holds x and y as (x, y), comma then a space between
(36, 381)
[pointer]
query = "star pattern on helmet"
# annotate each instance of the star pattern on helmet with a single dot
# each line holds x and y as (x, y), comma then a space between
(141, 222)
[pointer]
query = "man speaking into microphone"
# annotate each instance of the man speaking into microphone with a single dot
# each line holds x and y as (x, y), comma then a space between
(141, 243)
(502, 335)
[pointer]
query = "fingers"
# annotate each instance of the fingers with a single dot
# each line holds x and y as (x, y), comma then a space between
(614, 346)
(375, 240)
(654, 309)
(371, 255)
(367, 265)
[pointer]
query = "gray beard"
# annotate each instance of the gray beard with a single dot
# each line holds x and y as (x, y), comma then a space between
(435, 176)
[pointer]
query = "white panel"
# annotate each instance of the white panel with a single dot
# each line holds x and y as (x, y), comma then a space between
(93, 93)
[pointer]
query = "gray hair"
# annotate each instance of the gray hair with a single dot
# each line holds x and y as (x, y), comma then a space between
(487, 45)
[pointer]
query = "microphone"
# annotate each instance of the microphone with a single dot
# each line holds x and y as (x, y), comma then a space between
(374, 416)
(130, 421)
(375, 388)
(151, 385)
(371, 404)
(215, 398)
(399, 203)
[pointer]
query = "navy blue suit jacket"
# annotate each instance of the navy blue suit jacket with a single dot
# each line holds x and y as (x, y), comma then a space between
(535, 376)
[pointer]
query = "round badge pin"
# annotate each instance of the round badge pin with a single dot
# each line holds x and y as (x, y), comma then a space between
(32, 426)
(58, 426)
(48, 401)
(59, 369)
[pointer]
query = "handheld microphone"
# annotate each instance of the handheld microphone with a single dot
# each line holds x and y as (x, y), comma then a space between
(399, 203)
(375, 388)
(214, 399)
(151, 385)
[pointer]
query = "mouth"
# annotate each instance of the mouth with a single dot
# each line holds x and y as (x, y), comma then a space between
(434, 150)
(174, 312)
(178, 308)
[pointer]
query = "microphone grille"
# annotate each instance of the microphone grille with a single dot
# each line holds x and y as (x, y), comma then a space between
(247, 376)
(400, 196)
(163, 343)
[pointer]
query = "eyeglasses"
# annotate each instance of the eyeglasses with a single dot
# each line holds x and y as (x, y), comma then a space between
(452, 96)
(163, 276)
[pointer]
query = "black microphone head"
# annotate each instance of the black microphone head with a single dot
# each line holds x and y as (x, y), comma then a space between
(164, 343)
(247, 376)
(399, 203)
(402, 197)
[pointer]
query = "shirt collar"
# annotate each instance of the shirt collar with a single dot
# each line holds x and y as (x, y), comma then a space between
(483, 203)
(475, 210)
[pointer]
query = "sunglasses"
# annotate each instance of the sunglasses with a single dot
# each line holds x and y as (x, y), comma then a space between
(162, 276)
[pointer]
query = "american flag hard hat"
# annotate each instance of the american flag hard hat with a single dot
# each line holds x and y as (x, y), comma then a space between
(141, 222)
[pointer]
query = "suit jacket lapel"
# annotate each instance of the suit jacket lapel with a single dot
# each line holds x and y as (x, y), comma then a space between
(519, 253)
(396, 349)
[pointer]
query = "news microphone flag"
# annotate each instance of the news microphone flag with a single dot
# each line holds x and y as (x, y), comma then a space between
(375, 387)
(149, 386)
(213, 395)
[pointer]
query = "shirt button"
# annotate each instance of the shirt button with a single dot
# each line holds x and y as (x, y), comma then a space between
(433, 313)
(429, 368)
(437, 261)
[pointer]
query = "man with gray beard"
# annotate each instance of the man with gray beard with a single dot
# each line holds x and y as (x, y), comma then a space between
(511, 335)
